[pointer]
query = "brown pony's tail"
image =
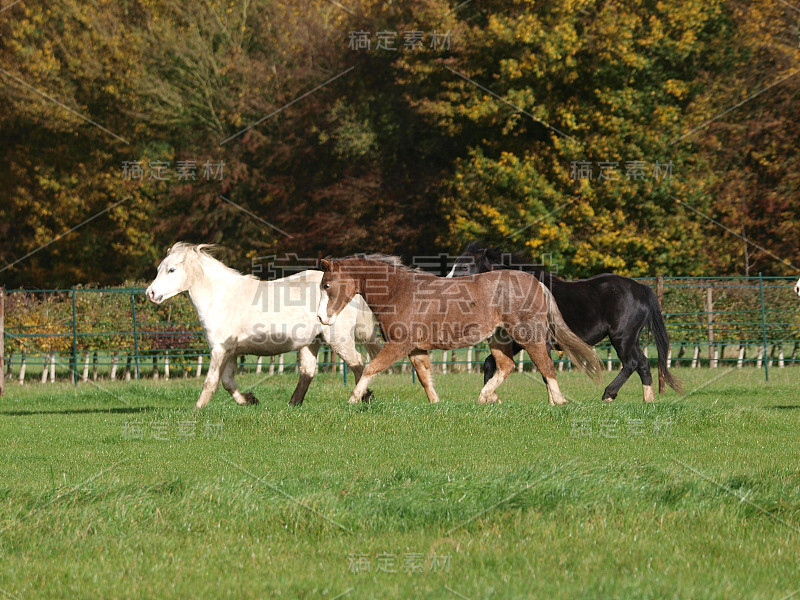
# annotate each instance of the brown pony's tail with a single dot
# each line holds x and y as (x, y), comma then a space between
(578, 351)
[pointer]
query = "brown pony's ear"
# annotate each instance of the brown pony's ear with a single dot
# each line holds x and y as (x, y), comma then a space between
(325, 264)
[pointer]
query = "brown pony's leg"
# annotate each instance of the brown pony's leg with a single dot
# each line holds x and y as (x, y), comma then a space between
(422, 364)
(385, 358)
(541, 358)
(501, 351)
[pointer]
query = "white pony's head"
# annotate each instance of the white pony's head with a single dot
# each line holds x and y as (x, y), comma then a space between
(797, 287)
(176, 272)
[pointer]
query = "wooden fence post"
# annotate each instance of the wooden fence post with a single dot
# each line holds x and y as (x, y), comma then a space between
(2, 341)
(74, 341)
(712, 362)
(763, 326)
(662, 384)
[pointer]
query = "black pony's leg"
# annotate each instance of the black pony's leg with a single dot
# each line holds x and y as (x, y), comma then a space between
(644, 374)
(629, 355)
(490, 365)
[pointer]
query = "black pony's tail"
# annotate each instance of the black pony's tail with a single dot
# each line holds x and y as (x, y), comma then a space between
(656, 323)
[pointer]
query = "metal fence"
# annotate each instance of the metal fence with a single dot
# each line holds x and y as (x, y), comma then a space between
(81, 333)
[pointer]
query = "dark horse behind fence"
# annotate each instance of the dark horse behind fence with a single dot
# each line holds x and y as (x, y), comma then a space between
(418, 312)
(603, 305)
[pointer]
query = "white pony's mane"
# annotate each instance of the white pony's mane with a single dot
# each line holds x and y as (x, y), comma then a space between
(202, 254)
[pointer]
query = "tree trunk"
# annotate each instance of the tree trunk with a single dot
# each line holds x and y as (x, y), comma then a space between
(45, 366)
(258, 365)
(280, 365)
(681, 352)
(760, 359)
(53, 367)
(444, 362)
(114, 359)
(199, 365)
(272, 365)
(469, 359)
(740, 359)
(780, 356)
(695, 357)
(155, 366)
(166, 365)
(128, 368)
(94, 367)
(609, 362)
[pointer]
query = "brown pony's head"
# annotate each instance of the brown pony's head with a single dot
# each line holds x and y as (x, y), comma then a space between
(338, 289)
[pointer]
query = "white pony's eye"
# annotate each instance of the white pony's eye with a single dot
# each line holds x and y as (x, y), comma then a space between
(171, 269)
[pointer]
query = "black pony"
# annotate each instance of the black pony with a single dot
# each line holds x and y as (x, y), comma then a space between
(603, 305)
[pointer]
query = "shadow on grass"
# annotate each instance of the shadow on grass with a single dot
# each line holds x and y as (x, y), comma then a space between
(76, 411)
(784, 407)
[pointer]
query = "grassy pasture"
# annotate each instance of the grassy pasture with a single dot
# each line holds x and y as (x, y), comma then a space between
(122, 490)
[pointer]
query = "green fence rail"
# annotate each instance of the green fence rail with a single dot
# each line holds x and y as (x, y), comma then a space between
(81, 333)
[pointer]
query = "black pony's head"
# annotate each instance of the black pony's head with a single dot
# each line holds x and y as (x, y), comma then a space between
(478, 258)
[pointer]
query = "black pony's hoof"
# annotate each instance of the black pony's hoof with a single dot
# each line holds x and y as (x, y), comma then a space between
(609, 399)
(295, 401)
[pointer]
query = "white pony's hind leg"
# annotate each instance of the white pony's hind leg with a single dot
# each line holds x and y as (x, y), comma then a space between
(229, 383)
(307, 359)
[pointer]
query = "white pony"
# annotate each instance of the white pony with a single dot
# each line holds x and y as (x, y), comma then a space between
(243, 315)
(797, 287)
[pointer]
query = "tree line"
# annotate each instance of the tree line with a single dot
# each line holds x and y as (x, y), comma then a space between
(639, 137)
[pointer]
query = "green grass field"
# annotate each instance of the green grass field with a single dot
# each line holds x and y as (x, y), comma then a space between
(122, 490)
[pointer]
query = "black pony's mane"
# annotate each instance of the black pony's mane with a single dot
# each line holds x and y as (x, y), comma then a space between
(498, 259)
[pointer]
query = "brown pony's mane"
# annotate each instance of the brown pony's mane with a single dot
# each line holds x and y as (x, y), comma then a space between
(389, 259)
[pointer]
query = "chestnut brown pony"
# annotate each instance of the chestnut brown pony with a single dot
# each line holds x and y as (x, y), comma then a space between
(419, 312)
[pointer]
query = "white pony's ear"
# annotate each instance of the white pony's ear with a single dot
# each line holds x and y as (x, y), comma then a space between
(201, 248)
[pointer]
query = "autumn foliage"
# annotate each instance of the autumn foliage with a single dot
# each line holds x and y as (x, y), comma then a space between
(583, 130)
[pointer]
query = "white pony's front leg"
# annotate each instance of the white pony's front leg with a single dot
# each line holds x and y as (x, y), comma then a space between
(219, 356)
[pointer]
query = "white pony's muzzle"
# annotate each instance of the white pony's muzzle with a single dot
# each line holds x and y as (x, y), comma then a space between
(151, 295)
(322, 310)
